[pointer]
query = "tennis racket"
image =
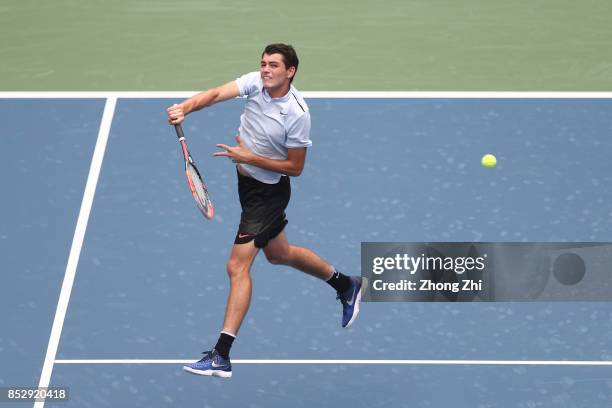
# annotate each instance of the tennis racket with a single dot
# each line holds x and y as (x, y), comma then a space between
(194, 179)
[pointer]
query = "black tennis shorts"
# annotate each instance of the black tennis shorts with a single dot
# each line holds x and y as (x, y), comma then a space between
(263, 209)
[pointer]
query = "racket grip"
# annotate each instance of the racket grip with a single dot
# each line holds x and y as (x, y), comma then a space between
(179, 131)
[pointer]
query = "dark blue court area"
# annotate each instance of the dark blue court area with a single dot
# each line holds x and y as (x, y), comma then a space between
(151, 280)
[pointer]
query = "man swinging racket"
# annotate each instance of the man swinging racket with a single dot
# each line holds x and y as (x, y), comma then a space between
(273, 137)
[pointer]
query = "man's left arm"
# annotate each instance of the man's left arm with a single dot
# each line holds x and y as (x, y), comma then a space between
(291, 166)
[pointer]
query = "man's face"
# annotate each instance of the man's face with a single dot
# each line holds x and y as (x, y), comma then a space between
(273, 72)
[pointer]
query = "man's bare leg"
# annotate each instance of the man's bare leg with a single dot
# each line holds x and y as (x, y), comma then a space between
(239, 272)
(217, 361)
(279, 251)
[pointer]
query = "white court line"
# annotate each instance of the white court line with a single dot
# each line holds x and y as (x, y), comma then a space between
(317, 94)
(77, 243)
(366, 362)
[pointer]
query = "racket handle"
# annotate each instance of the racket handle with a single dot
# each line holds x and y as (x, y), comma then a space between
(179, 131)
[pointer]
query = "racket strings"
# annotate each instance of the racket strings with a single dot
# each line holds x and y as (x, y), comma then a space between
(194, 180)
(198, 190)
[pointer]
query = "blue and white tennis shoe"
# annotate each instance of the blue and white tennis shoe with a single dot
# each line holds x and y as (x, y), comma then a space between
(350, 301)
(211, 364)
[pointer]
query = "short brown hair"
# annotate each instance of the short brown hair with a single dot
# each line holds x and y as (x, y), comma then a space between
(290, 58)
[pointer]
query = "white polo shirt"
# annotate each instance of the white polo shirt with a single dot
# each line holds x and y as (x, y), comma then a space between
(269, 126)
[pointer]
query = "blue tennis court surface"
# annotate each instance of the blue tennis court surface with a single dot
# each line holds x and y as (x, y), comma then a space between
(151, 281)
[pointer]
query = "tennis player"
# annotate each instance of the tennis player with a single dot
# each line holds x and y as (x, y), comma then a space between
(274, 135)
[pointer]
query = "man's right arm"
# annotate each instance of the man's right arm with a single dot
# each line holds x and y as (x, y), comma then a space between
(176, 113)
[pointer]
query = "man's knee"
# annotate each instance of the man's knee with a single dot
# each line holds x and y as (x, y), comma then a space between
(236, 269)
(278, 257)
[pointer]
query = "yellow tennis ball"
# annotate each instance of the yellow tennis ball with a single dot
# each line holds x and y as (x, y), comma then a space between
(489, 161)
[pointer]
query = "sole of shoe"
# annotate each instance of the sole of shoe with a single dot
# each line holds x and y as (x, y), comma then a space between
(209, 373)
